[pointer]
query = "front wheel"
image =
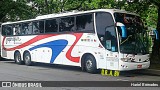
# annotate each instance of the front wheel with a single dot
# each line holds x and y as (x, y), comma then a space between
(27, 58)
(90, 64)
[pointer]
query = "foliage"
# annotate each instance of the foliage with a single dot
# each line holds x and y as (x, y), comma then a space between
(20, 10)
(11, 10)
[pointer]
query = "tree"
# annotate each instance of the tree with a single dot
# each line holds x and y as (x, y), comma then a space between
(14, 10)
(156, 47)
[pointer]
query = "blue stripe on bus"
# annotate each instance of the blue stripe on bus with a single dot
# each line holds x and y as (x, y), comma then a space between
(57, 46)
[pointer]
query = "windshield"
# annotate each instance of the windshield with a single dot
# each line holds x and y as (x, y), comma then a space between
(135, 41)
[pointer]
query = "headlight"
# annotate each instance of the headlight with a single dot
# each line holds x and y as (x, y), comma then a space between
(147, 60)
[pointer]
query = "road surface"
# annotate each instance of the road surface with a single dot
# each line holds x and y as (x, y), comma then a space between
(10, 71)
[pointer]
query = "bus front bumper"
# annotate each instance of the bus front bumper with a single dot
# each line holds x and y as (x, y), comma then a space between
(126, 66)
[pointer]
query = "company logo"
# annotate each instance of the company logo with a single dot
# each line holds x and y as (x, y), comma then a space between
(6, 84)
(12, 39)
(21, 84)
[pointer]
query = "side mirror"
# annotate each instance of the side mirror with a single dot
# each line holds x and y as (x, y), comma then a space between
(156, 34)
(123, 29)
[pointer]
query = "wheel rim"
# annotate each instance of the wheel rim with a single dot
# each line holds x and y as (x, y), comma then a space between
(18, 58)
(88, 64)
(27, 58)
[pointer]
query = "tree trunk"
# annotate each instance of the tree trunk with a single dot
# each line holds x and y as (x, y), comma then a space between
(47, 7)
(155, 56)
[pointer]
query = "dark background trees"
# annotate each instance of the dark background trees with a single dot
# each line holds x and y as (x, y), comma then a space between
(149, 10)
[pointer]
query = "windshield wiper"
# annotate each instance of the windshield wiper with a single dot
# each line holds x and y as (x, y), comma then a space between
(126, 39)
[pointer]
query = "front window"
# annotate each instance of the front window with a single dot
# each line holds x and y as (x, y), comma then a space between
(106, 31)
(134, 42)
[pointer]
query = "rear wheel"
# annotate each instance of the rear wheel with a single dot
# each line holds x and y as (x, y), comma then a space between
(17, 58)
(27, 58)
(90, 64)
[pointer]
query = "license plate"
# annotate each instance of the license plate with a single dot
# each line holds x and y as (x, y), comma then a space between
(139, 66)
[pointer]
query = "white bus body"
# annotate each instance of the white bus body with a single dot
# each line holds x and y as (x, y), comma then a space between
(87, 44)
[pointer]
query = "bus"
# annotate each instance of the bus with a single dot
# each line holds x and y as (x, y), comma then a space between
(109, 39)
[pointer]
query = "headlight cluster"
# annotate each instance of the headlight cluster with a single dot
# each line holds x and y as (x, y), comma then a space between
(147, 60)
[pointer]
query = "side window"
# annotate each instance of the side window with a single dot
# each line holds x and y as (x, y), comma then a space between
(41, 26)
(103, 20)
(17, 29)
(111, 39)
(66, 24)
(27, 28)
(51, 26)
(106, 31)
(84, 22)
(7, 30)
(38, 27)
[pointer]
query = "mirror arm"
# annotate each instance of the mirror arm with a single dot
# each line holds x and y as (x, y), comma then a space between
(124, 32)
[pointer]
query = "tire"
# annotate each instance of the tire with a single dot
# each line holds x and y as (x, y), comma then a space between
(27, 59)
(17, 58)
(90, 64)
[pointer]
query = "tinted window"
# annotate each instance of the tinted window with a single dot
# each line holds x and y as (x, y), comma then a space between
(84, 22)
(103, 20)
(51, 26)
(7, 30)
(111, 39)
(38, 27)
(17, 29)
(41, 26)
(66, 24)
(27, 28)
(106, 31)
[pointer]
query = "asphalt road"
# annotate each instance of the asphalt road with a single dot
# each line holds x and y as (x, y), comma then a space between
(10, 71)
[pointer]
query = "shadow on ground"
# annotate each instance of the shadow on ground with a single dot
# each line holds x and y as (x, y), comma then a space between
(43, 66)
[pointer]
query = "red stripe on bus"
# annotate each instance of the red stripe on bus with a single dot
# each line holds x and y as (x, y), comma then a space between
(68, 54)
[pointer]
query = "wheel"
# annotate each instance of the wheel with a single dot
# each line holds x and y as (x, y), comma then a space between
(17, 58)
(90, 64)
(27, 58)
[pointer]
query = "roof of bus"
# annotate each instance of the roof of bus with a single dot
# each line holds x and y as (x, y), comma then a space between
(69, 14)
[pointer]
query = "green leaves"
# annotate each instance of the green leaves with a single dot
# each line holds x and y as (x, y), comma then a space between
(13, 11)
(26, 9)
